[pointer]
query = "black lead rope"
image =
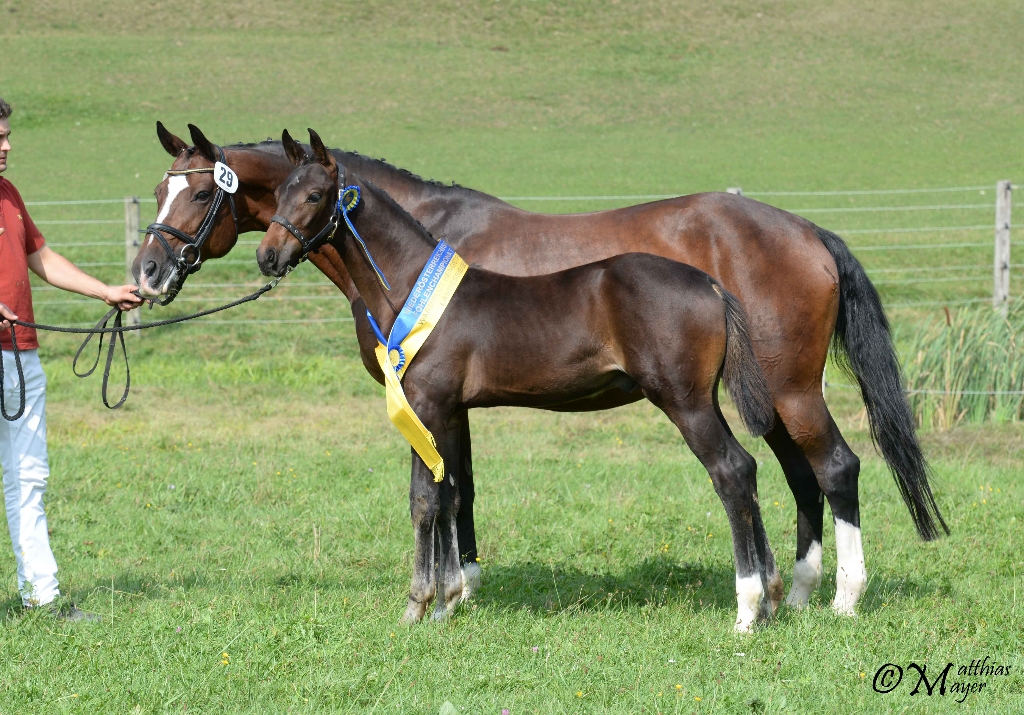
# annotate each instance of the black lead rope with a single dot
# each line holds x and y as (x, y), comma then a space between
(117, 331)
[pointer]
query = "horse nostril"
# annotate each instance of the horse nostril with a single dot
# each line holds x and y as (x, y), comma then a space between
(150, 269)
(271, 257)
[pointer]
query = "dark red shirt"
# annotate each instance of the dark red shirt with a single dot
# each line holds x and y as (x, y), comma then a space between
(19, 240)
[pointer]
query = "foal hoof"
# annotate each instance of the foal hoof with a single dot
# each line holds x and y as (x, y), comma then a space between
(414, 612)
(472, 579)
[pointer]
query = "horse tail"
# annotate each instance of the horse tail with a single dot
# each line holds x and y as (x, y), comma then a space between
(742, 374)
(862, 346)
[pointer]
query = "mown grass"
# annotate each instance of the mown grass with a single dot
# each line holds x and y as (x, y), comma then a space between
(603, 544)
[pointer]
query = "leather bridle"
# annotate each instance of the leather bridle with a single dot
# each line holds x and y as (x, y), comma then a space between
(349, 198)
(193, 245)
(325, 234)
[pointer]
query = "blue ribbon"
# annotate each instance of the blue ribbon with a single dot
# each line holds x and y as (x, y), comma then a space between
(420, 295)
(348, 204)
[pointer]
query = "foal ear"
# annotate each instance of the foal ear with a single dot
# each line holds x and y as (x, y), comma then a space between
(171, 144)
(292, 149)
(322, 155)
(204, 145)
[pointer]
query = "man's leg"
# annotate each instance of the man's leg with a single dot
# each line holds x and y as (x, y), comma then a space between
(25, 465)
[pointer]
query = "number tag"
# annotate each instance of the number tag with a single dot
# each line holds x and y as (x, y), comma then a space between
(225, 178)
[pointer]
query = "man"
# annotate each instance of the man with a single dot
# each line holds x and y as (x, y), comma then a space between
(23, 456)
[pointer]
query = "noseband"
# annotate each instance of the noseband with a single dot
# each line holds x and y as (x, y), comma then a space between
(193, 244)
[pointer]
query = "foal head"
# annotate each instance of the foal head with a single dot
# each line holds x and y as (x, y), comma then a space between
(308, 198)
(183, 201)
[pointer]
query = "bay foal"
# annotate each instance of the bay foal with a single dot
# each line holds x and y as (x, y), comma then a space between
(604, 334)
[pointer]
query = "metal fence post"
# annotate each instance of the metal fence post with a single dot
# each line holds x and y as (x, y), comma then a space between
(132, 219)
(1001, 276)
(734, 190)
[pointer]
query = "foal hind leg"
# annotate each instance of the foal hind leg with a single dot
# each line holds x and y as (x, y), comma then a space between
(837, 470)
(733, 472)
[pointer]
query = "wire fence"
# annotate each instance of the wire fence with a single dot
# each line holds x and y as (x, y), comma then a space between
(894, 235)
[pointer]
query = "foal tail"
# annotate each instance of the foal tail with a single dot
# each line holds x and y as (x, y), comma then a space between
(862, 345)
(743, 376)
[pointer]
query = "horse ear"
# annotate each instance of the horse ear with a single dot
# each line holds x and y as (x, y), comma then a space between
(204, 145)
(292, 149)
(322, 155)
(171, 144)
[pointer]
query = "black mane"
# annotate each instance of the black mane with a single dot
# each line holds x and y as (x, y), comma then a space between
(276, 143)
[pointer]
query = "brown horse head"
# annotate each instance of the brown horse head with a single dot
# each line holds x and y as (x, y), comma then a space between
(184, 200)
(309, 198)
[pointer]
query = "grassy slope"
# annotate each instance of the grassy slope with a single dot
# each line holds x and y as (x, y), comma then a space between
(594, 529)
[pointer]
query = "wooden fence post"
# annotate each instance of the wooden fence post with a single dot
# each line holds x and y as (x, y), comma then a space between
(132, 219)
(1001, 276)
(734, 190)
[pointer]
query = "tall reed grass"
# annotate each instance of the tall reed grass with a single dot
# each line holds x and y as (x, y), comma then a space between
(967, 366)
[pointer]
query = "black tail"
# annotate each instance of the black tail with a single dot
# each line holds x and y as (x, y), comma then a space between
(862, 346)
(743, 376)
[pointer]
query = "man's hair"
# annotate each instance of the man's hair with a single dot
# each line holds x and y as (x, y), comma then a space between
(5, 109)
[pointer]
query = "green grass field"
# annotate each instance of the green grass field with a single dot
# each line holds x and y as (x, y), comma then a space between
(251, 497)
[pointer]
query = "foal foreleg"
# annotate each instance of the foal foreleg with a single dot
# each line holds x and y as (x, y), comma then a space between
(468, 557)
(424, 505)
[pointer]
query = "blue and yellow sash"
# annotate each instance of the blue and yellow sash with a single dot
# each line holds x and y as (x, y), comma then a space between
(421, 312)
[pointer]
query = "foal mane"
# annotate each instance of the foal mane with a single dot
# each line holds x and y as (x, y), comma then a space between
(397, 208)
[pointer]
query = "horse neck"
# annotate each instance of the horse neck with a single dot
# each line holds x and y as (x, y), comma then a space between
(400, 247)
(259, 175)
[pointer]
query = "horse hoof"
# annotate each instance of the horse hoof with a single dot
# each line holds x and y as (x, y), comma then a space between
(472, 579)
(744, 625)
(414, 612)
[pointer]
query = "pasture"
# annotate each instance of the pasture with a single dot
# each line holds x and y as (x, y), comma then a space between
(242, 523)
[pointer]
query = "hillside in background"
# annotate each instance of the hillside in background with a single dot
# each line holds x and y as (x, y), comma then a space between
(529, 97)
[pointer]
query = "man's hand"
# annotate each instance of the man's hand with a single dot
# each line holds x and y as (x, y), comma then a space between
(123, 297)
(6, 313)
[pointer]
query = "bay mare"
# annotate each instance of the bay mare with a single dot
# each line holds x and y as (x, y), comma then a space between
(644, 325)
(798, 283)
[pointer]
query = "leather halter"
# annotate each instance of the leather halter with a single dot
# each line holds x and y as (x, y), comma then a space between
(348, 200)
(192, 244)
(326, 234)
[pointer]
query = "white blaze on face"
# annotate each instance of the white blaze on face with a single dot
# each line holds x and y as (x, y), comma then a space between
(175, 185)
(851, 577)
(749, 593)
(806, 576)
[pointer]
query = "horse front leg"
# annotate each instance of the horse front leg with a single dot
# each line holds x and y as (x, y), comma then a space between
(450, 580)
(434, 508)
(424, 505)
(465, 526)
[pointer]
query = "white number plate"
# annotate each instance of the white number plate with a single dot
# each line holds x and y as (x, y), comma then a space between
(225, 178)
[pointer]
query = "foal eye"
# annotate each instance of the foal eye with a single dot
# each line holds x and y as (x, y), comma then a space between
(314, 198)
(202, 196)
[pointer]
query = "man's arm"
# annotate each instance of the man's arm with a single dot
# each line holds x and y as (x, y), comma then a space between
(62, 273)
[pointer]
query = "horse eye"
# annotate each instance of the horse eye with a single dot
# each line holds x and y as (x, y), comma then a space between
(314, 198)
(202, 196)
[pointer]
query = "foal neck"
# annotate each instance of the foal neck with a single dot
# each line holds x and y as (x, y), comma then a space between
(398, 245)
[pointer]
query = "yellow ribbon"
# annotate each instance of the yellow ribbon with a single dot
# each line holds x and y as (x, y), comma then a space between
(399, 410)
